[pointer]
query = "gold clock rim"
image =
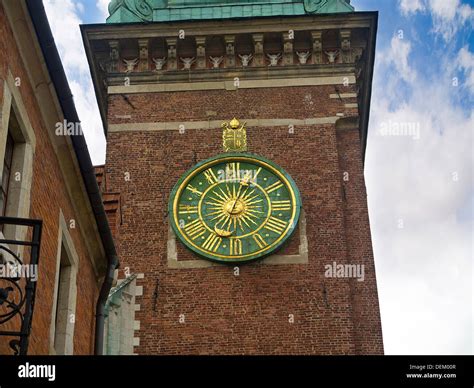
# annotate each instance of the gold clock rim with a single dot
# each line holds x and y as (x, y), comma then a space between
(224, 159)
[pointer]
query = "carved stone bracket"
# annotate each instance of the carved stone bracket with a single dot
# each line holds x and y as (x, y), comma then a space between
(259, 59)
(345, 36)
(317, 47)
(357, 53)
(201, 52)
(144, 60)
(114, 48)
(172, 60)
(346, 53)
(288, 54)
(230, 50)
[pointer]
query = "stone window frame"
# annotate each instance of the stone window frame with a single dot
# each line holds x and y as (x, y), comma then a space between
(18, 204)
(69, 303)
(7, 167)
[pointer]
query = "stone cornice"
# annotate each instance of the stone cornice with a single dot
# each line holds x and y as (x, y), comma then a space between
(335, 72)
(193, 52)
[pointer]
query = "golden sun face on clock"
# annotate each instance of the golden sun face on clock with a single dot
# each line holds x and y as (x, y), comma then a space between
(234, 208)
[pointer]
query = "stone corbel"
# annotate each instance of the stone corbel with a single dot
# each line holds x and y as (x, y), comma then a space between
(317, 47)
(346, 53)
(114, 47)
(172, 60)
(288, 54)
(357, 53)
(201, 62)
(259, 59)
(143, 50)
(229, 50)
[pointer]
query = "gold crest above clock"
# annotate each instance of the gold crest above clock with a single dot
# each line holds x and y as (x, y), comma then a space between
(234, 136)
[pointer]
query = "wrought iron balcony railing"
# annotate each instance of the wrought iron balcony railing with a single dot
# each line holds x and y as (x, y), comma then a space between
(18, 279)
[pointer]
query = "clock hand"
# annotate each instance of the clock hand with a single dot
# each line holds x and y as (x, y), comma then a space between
(226, 233)
(244, 182)
(222, 232)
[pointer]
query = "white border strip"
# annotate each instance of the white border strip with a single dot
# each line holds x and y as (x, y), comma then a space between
(213, 124)
(230, 84)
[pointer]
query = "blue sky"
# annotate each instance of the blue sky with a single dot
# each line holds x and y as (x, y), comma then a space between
(419, 185)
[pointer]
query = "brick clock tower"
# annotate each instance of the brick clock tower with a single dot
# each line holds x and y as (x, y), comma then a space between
(236, 135)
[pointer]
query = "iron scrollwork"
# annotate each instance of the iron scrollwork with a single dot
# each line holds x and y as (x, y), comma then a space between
(17, 291)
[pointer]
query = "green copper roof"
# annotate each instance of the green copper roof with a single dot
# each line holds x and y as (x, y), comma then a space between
(129, 11)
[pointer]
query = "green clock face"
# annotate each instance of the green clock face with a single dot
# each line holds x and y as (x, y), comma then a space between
(234, 208)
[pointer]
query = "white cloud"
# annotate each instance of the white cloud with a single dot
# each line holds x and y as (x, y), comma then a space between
(448, 21)
(466, 13)
(411, 6)
(64, 20)
(448, 16)
(103, 7)
(424, 268)
(444, 9)
(86, 105)
(465, 62)
(80, 7)
(398, 55)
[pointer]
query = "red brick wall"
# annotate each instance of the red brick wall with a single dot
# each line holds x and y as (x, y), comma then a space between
(225, 314)
(274, 103)
(48, 196)
(359, 243)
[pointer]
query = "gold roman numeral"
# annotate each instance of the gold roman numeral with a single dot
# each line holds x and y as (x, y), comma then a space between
(193, 190)
(273, 187)
(232, 172)
(187, 209)
(281, 205)
(275, 225)
(212, 242)
(235, 246)
(210, 176)
(254, 178)
(260, 241)
(195, 229)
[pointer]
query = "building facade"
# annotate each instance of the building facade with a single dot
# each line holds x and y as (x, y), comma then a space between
(49, 196)
(167, 75)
